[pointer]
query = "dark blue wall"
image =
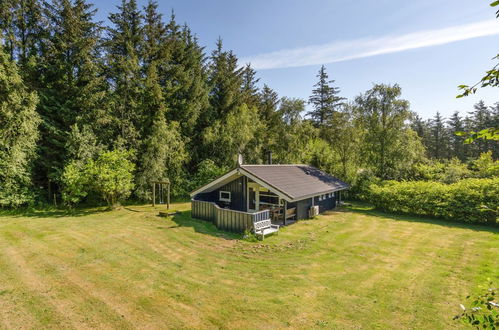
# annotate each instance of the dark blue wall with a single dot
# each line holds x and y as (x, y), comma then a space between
(327, 204)
(237, 189)
(238, 199)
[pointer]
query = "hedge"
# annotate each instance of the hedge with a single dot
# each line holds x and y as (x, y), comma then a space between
(469, 200)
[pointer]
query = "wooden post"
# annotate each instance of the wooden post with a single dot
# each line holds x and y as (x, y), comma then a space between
(284, 212)
(153, 194)
(168, 198)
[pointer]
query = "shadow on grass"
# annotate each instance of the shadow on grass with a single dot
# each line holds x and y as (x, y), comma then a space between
(184, 219)
(52, 212)
(364, 208)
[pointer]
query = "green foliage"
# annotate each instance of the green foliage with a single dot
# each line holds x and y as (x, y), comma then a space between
(228, 137)
(388, 146)
(483, 310)
(163, 151)
(110, 176)
(18, 135)
(249, 236)
(76, 182)
(446, 171)
(469, 200)
(486, 134)
(207, 172)
(68, 78)
(485, 166)
(124, 42)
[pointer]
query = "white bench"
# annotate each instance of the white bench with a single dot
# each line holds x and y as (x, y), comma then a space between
(265, 227)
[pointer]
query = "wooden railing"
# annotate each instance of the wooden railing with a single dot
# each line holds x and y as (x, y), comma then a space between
(226, 219)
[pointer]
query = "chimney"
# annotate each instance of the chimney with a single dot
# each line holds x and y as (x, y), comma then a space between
(239, 160)
(269, 157)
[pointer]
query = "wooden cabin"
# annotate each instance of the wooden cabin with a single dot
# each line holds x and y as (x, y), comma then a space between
(250, 193)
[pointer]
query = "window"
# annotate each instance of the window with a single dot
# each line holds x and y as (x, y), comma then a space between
(224, 196)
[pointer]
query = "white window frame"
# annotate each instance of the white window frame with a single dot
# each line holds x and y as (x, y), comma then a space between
(220, 198)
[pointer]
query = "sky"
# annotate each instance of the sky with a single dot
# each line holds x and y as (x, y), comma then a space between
(428, 47)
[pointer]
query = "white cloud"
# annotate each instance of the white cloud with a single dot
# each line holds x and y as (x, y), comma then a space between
(366, 47)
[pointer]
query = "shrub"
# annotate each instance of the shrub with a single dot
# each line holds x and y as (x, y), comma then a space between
(76, 182)
(110, 175)
(469, 200)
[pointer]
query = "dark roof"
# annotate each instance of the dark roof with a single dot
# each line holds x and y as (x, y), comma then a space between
(296, 181)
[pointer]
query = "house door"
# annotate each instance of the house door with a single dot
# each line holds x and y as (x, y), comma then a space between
(253, 197)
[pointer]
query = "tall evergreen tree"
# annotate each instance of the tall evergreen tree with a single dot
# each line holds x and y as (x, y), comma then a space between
(457, 145)
(18, 134)
(29, 29)
(324, 98)
(163, 153)
(481, 118)
(438, 138)
(225, 80)
(184, 79)
(7, 22)
(268, 105)
(270, 118)
(68, 79)
(249, 88)
(124, 43)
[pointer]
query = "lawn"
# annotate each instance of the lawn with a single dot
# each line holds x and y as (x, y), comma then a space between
(353, 268)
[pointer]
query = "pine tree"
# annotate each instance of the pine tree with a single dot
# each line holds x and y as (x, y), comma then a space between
(249, 88)
(324, 98)
(185, 83)
(225, 80)
(18, 134)
(153, 48)
(7, 20)
(29, 29)
(164, 152)
(123, 45)
(457, 145)
(481, 118)
(269, 101)
(69, 82)
(270, 117)
(438, 138)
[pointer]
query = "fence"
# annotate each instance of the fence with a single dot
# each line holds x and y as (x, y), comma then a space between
(226, 219)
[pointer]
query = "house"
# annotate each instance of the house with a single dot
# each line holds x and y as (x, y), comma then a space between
(250, 193)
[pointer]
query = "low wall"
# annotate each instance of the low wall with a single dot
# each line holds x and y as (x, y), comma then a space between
(226, 219)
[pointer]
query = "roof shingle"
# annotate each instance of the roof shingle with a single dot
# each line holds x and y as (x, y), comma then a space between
(296, 181)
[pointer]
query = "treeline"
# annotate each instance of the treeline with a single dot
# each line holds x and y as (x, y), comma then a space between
(86, 107)
(439, 134)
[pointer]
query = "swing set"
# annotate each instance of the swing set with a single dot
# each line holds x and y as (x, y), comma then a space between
(161, 193)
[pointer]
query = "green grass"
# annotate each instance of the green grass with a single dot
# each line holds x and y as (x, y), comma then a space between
(355, 268)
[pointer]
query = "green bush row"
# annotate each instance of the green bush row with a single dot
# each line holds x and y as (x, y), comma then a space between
(469, 200)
